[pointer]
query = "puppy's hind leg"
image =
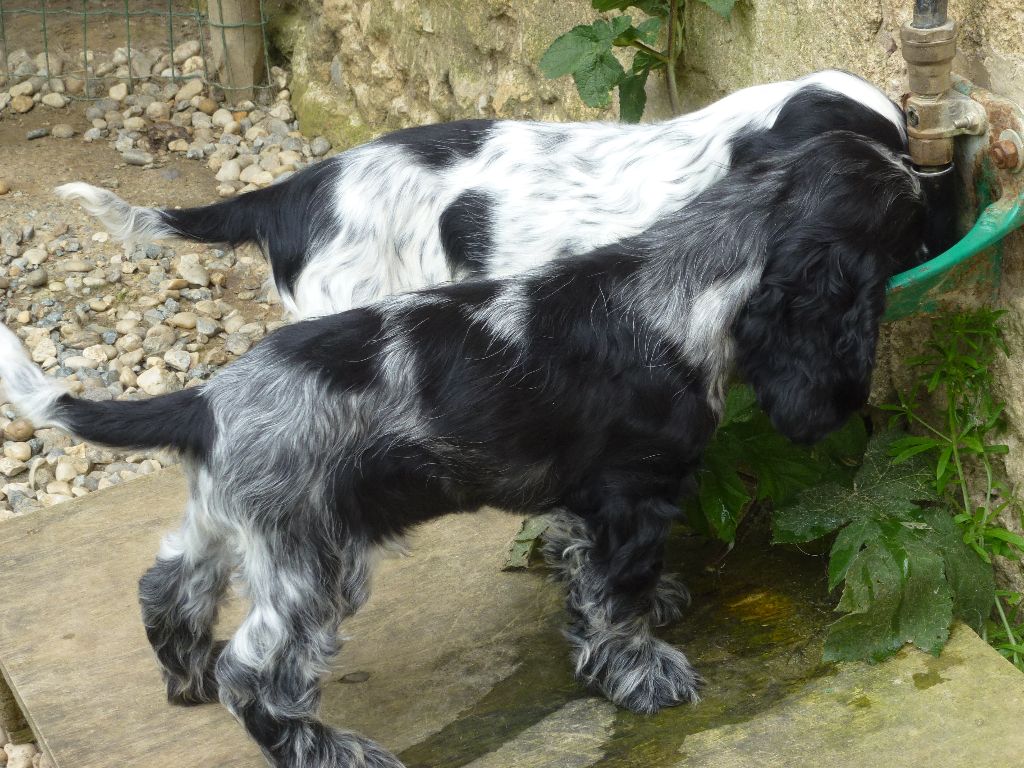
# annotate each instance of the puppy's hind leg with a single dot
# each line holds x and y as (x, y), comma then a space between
(611, 604)
(179, 596)
(269, 675)
(568, 540)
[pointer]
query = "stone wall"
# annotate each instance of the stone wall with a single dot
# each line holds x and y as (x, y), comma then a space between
(361, 67)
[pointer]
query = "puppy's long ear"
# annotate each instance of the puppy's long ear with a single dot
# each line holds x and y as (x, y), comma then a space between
(806, 337)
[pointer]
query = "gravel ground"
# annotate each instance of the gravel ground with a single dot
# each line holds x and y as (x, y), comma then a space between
(116, 322)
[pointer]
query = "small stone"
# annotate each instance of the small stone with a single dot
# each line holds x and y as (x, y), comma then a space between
(222, 117)
(77, 265)
(55, 100)
(4, 187)
(207, 105)
(190, 268)
(70, 467)
(229, 171)
(159, 339)
(20, 755)
(189, 89)
(62, 131)
(178, 359)
(186, 320)
(18, 451)
(206, 326)
(136, 157)
(26, 88)
(158, 381)
(19, 430)
(134, 124)
(237, 344)
(36, 278)
(319, 146)
(118, 92)
(158, 110)
(44, 350)
(76, 362)
(22, 104)
(37, 133)
(11, 467)
(178, 145)
(185, 51)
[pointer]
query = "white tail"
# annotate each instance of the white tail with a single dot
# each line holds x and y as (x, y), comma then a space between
(31, 392)
(127, 223)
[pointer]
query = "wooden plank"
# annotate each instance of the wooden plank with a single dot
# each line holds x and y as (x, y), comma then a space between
(74, 651)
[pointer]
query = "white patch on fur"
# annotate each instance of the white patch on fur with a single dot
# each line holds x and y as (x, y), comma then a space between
(27, 387)
(861, 91)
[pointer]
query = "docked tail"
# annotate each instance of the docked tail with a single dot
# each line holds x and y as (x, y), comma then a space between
(181, 420)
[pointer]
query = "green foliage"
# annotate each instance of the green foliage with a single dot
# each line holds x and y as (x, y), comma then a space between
(748, 462)
(587, 52)
(961, 444)
(905, 570)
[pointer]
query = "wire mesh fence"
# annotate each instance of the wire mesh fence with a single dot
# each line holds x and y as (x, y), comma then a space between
(152, 40)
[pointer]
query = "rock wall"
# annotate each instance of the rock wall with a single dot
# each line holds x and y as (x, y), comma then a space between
(364, 66)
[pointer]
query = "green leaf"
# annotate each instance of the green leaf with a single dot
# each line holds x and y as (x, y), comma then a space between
(525, 543)
(722, 7)
(632, 97)
(723, 497)
(595, 80)
(845, 548)
(648, 30)
(580, 48)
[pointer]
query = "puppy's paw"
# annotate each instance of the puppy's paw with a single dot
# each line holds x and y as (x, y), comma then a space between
(670, 598)
(350, 750)
(639, 673)
(202, 689)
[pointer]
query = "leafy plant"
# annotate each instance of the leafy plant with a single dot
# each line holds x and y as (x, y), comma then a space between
(587, 53)
(961, 442)
(905, 570)
(748, 462)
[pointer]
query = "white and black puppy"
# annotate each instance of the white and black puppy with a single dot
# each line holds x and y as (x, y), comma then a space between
(590, 385)
(488, 198)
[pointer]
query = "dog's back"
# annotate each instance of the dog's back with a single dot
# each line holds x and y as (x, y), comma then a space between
(495, 198)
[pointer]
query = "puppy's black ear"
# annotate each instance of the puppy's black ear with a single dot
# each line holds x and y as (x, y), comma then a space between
(806, 338)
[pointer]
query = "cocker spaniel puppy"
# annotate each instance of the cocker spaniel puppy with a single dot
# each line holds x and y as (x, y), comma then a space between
(590, 385)
(489, 198)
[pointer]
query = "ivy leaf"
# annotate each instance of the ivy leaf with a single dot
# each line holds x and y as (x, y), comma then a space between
(722, 7)
(632, 96)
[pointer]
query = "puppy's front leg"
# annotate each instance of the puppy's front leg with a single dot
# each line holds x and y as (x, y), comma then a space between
(611, 603)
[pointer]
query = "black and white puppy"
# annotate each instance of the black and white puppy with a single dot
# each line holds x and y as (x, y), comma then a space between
(590, 385)
(488, 198)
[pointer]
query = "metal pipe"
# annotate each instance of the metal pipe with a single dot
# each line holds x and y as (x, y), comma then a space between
(929, 14)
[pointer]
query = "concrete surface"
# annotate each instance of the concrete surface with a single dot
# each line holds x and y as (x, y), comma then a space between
(464, 664)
